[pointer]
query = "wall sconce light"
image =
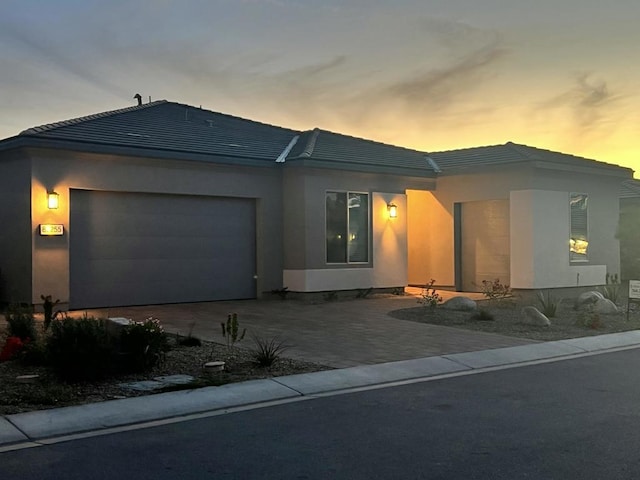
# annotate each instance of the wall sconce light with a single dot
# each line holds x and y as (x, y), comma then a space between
(393, 210)
(52, 200)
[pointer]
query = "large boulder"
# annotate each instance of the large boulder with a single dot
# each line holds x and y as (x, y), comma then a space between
(460, 303)
(533, 316)
(605, 307)
(589, 298)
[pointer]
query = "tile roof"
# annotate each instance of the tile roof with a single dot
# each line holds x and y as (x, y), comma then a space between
(170, 126)
(508, 153)
(170, 129)
(630, 189)
(320, 147)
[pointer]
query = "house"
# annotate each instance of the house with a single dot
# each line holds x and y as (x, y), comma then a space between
(629, 230)
(168, 203)
(533, 218)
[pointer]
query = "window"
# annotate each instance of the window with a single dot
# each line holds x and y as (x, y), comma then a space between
(579, 241)
(347, 227)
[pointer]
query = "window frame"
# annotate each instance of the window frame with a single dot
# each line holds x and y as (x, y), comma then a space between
(573, 256)
(369, 228)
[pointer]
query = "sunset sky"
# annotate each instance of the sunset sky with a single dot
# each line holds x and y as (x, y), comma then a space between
(426, 74)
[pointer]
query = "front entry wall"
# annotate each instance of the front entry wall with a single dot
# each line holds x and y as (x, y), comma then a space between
(484, 254)
(388, 251)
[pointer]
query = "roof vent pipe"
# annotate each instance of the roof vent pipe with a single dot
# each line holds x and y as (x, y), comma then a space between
(138, 97)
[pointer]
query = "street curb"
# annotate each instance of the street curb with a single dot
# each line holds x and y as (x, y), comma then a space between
(44, 424)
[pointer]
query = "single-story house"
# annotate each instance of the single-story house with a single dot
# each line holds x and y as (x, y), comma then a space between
(629, 230)
(167, 203)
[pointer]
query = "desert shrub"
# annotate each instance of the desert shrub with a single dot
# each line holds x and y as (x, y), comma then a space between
(482, 316)
(189, 340)
(495, 290)
(548, 304)
(330, 296)
(80, 349)
(429, 296)
(48, 305)
(20, 322)
(142, 345)
(611, 291)
(267, 350)
(589, 318)
(281, 292)
(231, 330)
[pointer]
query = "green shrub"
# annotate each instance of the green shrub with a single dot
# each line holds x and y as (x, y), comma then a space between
(35, 353)
(142, 345)
(81, 349)
(20, 323)
(548, 304)
(267, 351)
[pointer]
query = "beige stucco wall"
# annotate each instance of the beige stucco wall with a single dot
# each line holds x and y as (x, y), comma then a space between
(433, 256)
(62, 171)
(540, 232)
(533, 228)
(388, 255)
(305, 266)
(429, 238)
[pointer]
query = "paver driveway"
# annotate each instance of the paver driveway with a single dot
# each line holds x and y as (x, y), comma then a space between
(337, 334)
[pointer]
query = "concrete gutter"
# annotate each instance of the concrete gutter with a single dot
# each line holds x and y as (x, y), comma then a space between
(34, 428)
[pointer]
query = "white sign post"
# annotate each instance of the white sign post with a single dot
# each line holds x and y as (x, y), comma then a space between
(634, 294)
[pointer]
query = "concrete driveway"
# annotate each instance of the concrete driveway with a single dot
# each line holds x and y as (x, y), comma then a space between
(337, 334)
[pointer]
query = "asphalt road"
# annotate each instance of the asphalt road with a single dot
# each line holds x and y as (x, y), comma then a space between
(575, 419)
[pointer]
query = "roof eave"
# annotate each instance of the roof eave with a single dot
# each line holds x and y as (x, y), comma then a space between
(358, 167)
(28, 141)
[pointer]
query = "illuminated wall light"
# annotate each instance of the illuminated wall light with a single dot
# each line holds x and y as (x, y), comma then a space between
(52, 200)
(392, 208)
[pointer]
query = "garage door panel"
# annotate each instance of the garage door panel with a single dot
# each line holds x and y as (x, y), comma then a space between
(136, 249)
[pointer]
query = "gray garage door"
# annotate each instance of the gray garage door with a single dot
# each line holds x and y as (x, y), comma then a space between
(144, 249)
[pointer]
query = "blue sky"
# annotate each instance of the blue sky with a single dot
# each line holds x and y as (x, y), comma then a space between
(428, 74)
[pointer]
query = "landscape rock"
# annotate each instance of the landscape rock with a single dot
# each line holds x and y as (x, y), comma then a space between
(533, 316)
(116, 324)
(157, 383)
(589, 298)
(605, 307)
(214, 366)
(460, 303)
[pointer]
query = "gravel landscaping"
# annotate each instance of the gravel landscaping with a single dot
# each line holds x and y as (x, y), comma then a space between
(41, 389)
(505, 317)
(47, 391)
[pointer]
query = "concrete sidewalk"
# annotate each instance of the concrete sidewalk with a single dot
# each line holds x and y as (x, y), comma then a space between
(47, 426)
